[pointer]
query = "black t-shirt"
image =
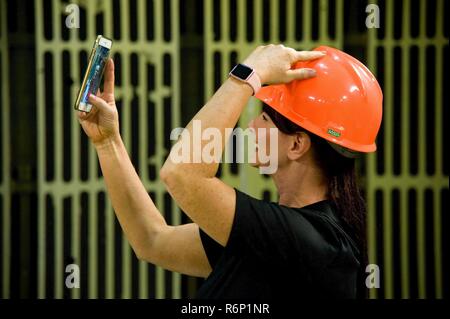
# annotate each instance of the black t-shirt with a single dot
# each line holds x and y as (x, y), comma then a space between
(276, 251)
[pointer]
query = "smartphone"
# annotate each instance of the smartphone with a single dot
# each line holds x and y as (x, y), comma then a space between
(94, 73)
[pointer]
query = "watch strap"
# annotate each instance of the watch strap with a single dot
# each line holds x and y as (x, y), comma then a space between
(252, 79)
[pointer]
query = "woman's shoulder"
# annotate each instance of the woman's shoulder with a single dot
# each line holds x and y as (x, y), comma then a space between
(319, 225)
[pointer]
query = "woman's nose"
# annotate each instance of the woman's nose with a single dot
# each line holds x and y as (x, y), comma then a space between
(251, 124)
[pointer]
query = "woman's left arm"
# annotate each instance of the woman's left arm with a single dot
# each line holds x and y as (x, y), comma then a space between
(204, 198)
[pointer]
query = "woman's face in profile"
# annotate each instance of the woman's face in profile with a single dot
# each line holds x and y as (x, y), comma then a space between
(269, 146)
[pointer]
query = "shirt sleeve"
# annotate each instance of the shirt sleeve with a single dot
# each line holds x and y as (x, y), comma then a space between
(212, 248)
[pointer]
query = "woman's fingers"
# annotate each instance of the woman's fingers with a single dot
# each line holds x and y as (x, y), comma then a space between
(98, 102)
(300, 74)
(108, 86)
(309, 55)
(82, 115)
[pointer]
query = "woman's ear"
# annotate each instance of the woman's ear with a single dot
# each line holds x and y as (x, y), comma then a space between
(299, 145)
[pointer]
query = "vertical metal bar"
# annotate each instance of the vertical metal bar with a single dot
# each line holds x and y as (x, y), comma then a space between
(124, 22)
(291, 18)
(274, 21)
(404, 242)
(110, 263)
(306, 20)
(58, 142)
(387, 240)
(224, 21)
(323, 20)
(405, 147)
(41, 153)
(421, 243)
(126, 123)
(159, 23)
(93, 244)
(242, 26)
(258, 22)
(438, 210)
(126, 94)
(75, 228)
(422, 156)
(91, 11)
(58, 240)
(75, 167)
(108, 22)
(339, 15)
(109, 213)
(126, 268)
(55, 21)
(143, 111)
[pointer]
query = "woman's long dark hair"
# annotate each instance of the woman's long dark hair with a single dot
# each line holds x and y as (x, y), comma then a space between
(343, 189)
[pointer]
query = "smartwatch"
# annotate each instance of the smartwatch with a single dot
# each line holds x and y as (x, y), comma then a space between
(246, 74)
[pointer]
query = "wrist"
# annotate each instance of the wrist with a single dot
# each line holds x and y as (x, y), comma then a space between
(246, 74)
(242, 85)
(108, 143)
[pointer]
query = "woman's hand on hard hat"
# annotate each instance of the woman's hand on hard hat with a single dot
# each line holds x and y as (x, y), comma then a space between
(101, 124)
(273, 63)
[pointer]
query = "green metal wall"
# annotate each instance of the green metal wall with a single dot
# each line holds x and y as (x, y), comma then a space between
(405, 182)
(71, 194)
(407, 179)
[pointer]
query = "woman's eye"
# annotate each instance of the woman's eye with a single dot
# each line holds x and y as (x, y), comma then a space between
(264, 117)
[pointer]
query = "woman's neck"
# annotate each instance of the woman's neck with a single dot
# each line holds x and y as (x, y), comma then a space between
(299, 185)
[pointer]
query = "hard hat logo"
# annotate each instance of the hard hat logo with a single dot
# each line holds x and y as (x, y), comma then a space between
(344, 92)
(333, 133)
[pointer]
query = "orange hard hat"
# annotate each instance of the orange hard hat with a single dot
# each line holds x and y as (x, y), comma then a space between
(342, 104)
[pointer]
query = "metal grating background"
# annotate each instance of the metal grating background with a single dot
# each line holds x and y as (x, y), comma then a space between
(75, 221)
(407, 179)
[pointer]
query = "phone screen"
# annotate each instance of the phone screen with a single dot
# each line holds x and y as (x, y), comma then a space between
(94, 73)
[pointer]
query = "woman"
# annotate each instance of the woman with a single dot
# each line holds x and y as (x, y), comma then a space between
(310, 243)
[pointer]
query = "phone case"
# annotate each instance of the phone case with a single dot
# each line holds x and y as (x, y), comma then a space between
(94, 73)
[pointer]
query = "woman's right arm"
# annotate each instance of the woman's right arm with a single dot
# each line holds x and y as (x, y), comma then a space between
(176, 248)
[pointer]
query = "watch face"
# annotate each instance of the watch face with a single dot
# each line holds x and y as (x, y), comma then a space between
(242, 71)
